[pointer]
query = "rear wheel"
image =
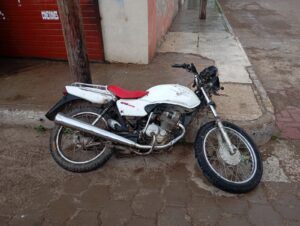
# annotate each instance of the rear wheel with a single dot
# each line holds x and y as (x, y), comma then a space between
(78, 151)
(237, 173)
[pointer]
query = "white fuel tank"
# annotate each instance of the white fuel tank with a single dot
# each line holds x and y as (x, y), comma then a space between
(169, 94)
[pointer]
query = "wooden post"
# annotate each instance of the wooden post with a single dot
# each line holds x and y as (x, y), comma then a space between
(203, 4)
(71, 20)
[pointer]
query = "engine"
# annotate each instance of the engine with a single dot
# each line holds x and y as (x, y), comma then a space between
(162, 132)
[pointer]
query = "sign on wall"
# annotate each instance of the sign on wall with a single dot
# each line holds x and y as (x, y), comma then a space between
(49, 15)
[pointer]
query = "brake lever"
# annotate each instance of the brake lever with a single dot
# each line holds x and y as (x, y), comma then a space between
(194, 84)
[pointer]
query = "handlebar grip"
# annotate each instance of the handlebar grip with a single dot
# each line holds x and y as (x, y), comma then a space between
(179, 65)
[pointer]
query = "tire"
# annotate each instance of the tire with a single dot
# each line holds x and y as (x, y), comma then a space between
(78, 142)
(214, 159)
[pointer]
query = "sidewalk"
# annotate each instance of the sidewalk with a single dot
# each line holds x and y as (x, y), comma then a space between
(28, 92)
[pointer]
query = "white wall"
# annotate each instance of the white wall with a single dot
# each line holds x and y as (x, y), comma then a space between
(125, 30)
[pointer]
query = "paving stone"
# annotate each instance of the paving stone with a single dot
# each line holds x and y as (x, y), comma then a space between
(288, 121)
(101, 176)
(287, 204)
(194, 188)
(116, 213)
(84, 218)
(177, 194)
(152, 180)
(173, 216)
(60, 210)
(234, 220)
(257, 196)
(124, 189)
(233, 205)
(76, 184)
(177, 172)
(95, 198)
(293, 223)
(40, 198)
(264, 215)
(204, 211)
(288, 211)
(147, 204)
(4, 220)
(140, 221)
(282, 193)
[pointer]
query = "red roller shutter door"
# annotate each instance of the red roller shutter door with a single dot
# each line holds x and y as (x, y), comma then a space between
(30, 28)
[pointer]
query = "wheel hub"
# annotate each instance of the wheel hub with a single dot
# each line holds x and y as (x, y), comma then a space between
(231, 159)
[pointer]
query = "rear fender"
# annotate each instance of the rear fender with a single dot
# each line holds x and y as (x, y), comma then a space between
(60, 105)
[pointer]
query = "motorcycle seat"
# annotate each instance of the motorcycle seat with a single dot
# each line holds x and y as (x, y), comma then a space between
(126, 94)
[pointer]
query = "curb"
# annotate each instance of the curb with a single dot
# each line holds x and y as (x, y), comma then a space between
(24, 118)
(262, 128)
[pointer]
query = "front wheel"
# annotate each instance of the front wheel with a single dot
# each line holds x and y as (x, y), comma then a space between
(237, 173)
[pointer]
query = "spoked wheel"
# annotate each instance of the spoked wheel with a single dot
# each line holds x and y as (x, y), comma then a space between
(237, 173)
(78, 151)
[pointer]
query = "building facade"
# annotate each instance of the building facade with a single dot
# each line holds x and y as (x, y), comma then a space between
(126, 31)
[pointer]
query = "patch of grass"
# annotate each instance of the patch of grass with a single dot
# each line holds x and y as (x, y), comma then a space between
(40, 129)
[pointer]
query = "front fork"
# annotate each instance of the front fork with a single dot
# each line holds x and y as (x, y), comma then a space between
(232, 149)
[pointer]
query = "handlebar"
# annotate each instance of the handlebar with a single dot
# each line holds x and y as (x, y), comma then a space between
(189, 67)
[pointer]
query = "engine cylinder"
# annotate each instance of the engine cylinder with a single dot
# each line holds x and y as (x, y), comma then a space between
(169, 119)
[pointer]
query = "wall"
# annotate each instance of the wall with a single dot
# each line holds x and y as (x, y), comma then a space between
(166, 10)
(125, 30)
(152, 41)
(160, 16)
(132, 29)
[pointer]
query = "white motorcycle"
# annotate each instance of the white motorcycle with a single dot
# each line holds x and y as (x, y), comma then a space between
(109, 118)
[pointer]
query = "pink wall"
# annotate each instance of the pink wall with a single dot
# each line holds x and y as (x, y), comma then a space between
(160, 16)
(165, 12)
(151, 28)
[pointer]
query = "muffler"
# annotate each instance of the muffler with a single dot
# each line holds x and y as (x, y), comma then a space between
(73, 123)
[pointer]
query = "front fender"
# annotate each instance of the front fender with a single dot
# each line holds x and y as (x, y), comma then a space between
(60, 105)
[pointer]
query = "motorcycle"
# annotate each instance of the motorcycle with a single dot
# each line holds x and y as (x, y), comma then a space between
(142, 122)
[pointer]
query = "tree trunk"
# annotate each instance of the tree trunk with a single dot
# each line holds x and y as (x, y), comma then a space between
(71, 20)
(203, 4)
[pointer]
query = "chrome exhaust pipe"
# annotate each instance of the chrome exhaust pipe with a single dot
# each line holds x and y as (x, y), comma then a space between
(73, 123)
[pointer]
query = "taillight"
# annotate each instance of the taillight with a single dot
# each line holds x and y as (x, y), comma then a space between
(65, 92)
